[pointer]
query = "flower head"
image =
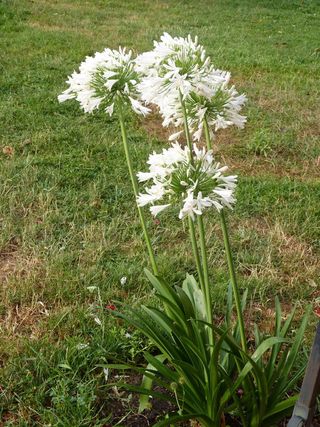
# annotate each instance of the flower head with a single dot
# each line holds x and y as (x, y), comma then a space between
(178, 67)
(123, 280)
(175, 65)
(105, 80)
(194, 185)
(219, 105)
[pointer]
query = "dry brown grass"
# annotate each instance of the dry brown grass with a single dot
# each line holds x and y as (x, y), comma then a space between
(24, 320)
(285, 258)
(226, 143)
(152, 124)
(16, 271)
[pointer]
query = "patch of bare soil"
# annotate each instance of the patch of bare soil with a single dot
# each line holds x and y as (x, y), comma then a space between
(152, 124)
(8, 259)
(124, 408)
(18, 319)
(286, 258)
(124, 405)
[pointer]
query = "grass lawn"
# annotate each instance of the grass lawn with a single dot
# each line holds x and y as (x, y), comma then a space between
(67, 216)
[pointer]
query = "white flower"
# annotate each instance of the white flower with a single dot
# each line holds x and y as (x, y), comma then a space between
(123, 280)
(154, 193)
(194, 206)
(175, 135)
(155, 210)
(138, 107)
(106, 80)
(91, 288)
(110, 109)
(82, 346)
(175, 65)
(219, 105)
(179, 66)
(197, 184)
(98, 321)
(106, 373)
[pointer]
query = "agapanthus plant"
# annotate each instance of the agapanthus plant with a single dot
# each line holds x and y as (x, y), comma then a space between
(189, 92)
(202, 366)
(196, 185)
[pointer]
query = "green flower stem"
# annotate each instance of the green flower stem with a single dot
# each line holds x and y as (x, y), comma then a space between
(207, 134)
(233, 280)
(136, 193)
(227, 246)
(186, 126)
(205, 268)
(196, 253)
(191, 224)
(202, 272)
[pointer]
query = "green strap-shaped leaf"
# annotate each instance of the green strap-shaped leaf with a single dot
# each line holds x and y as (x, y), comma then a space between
(279, 411)
(163, 288)
(251, 364)
(272, 366)
(288, 359)
(147, 382)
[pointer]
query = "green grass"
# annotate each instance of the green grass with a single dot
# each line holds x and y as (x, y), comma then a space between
(67, 218)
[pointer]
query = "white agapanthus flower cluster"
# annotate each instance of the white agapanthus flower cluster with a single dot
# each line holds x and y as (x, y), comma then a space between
(179, 67)
(196, 184)
(220, 108)
(105, 79)
(175, 65)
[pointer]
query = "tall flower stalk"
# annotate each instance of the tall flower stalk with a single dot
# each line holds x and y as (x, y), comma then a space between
(204, 271)
(202, 275)
(136, 192)
(226, 240)
(108, 80)
(196, 254)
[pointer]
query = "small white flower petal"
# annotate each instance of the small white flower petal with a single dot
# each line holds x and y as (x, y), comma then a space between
(82, 346)
(106, 373)
(110, 109)
(175, 136)
(138, 107)
(98, 321)
(155, 210)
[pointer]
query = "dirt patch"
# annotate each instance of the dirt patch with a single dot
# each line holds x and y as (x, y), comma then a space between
(8, 417)
(43, 26)
(23, 320)
(152, 124)
(124, 408)
(264, 316)
(124, 405)
(8, 257)
(15, 269)
(15, 265)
